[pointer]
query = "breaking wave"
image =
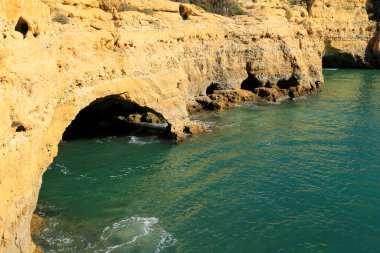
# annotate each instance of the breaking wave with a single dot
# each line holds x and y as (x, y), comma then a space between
(134, 233)
(143, 140)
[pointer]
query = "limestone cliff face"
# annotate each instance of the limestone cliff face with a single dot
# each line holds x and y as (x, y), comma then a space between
(146, 54)
(373, 10)
(348, 33)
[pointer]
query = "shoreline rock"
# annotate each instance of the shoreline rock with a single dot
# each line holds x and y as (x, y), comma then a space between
(148, 55)
(36, 225)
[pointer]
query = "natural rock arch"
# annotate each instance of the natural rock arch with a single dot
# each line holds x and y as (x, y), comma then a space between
(115, 115)
(169, 68)
(136, 94)
(100, 114)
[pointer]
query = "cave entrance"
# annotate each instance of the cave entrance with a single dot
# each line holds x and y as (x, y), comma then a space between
(212, 88)
(22, 26)
(112, 115)
(115, 116)
(287, 83)
(251, 83)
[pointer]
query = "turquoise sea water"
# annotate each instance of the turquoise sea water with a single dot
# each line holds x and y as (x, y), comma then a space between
(300, 176)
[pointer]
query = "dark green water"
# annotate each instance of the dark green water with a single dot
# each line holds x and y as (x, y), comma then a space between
(300, 176)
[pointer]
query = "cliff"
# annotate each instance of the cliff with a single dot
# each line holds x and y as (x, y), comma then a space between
(60, 57)
(348, 33)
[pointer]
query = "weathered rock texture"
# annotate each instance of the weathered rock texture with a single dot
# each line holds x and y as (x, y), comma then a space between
(146, 54)
(348, 33)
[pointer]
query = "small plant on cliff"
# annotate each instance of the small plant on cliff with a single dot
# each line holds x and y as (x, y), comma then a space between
(222, 7)
(300, 2)
(148, 11)
(126, 7)
(63, 19)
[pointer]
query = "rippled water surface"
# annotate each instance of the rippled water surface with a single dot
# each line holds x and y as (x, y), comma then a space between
(300, 176)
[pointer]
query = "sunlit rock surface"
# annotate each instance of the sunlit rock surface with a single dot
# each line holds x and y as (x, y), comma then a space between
(57, 57)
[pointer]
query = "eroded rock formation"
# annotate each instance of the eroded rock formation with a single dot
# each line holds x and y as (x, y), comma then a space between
(347, 31)
(58, 57)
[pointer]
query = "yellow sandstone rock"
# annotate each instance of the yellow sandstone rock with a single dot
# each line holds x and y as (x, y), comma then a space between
(144, 52)
(346, 30)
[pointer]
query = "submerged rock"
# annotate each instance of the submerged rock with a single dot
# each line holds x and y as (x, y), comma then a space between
(37, 224)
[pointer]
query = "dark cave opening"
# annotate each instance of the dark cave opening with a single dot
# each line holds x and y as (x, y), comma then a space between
(373, 10)
(115, 116)
(20, 128)
(22, 26)
(251, 83)
(212, 88)
(287, 83)
(349, 61)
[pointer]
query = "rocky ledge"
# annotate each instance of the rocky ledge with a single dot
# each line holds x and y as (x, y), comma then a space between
(71, 60)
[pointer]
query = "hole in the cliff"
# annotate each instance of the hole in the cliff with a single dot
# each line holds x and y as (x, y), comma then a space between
(22, 26)
(287, 83)
(187, 130)
(115, 116)
(343, 60)
(18, 127)
(212, 88)
(373, 11)
(251, 83)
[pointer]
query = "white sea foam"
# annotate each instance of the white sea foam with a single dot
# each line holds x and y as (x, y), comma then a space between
(85, 176)
(133, 234)
(124, 172)
(60, 165)
(110, 138)
(58, 240)
(300, 98)
(63, 169)
(105, 139)
(142, 140)
(136, 233)
(44, 206)
(209, 123)
(228, 126)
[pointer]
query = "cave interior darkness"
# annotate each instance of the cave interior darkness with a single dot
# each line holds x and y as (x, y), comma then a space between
(115, 116)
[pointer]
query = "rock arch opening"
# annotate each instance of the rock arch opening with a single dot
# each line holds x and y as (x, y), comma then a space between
(116, 116)
(22, 26)
(113, 115)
